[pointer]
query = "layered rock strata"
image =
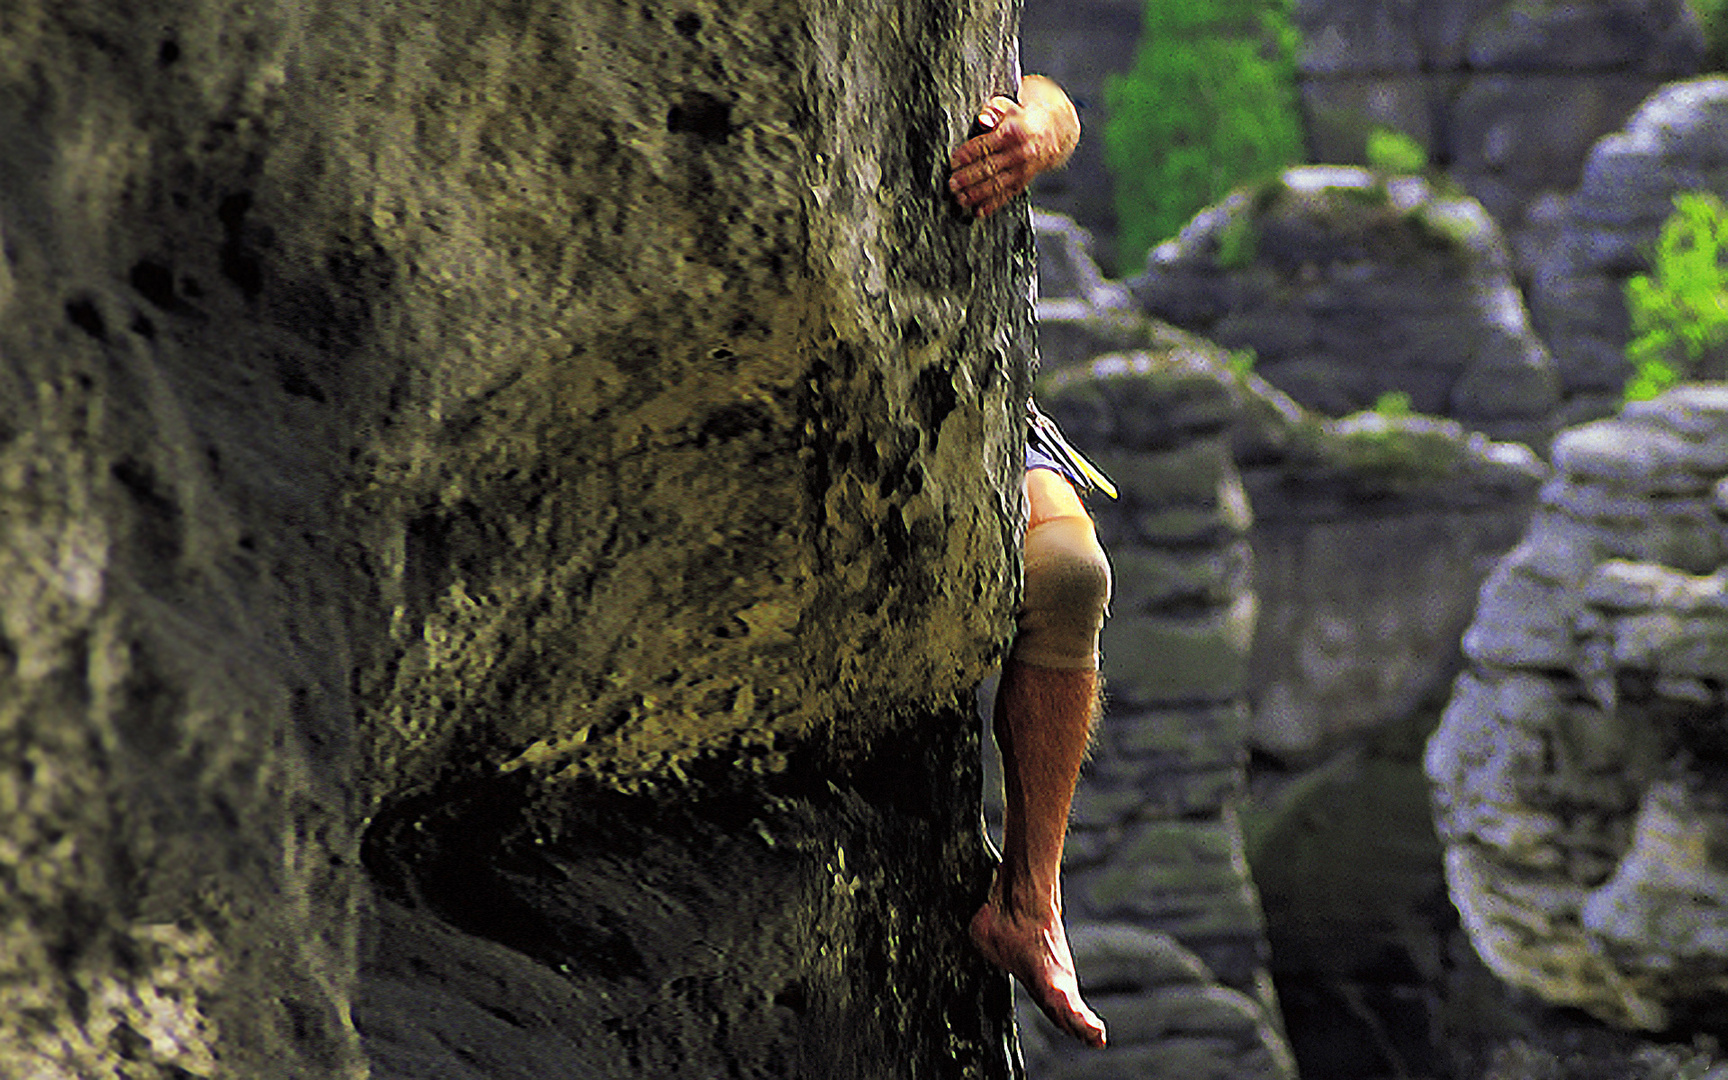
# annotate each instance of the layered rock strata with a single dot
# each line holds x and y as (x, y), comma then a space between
(1169, 1017)
(1508, 97)
(500, 505)
(1348, 285)
(1371, 536)
(1605, 232)
(1578, 772)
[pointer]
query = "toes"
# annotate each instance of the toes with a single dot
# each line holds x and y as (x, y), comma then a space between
(1065, 1008)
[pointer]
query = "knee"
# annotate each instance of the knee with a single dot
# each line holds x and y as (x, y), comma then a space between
(1066, 593)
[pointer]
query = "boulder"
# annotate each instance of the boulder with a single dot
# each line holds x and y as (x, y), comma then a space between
(1578, 770)
(501, 507)
(1677, 141)
(1348, 285)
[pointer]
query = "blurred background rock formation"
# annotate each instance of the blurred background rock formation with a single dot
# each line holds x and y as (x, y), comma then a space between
(1354, 546)
(1508, 97)
(1578, 772)
(1348, 286)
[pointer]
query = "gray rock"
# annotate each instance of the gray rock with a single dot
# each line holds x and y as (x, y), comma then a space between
(1118, 956)
(1508, 97)
(1675, 142)
(1652, 37)
(1348, 287)
(1067, 272)
(1081, 314)
(1166, 1017)
(1155, 850)
(1583, 836)
(1668, 898)
(1519, 135)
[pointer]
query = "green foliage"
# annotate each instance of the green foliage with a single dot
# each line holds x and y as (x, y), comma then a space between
(1238, 241)
(1393, 403)
(1392, 151)
(1210, 104)
(1713, 14)
(1241, 362)
(1680, 310)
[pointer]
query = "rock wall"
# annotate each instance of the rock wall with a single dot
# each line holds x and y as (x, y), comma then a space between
(1604, 233)
(1371, 537)
(1349, 285)
(486, 488)
(1508, 97)
(1578, 772)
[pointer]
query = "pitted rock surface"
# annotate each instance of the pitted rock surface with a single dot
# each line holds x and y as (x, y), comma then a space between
(1348, 286)
(1578, 773)
(1676, 141)
(485, 490)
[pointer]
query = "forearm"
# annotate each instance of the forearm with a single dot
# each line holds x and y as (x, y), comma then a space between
(1051, 116)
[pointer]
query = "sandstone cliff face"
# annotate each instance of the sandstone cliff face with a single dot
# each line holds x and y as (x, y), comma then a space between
(1578, 772)
(501, 507)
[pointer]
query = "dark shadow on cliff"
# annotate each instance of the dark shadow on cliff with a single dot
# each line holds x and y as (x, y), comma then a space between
(736, 924)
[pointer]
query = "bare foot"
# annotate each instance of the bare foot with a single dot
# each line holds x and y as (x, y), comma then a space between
(1035, 951)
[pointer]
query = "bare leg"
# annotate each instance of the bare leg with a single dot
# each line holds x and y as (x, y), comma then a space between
(1043, 722)
(1019, 928)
